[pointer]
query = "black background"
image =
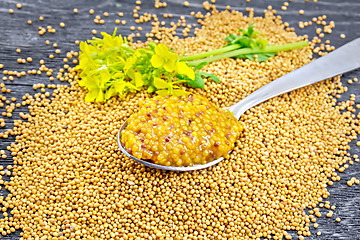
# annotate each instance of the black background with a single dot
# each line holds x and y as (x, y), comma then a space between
(16, 33)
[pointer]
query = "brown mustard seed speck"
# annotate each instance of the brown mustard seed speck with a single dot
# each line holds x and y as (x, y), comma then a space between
(75, 183)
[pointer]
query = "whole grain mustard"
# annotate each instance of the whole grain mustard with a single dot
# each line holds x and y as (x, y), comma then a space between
(180, 131)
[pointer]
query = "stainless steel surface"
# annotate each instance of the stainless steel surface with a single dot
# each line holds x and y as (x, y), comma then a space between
(343, 59)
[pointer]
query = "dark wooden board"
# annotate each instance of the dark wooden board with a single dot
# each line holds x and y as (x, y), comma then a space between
(16, 33)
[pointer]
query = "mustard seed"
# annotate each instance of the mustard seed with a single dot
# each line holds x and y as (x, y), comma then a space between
(85, 187)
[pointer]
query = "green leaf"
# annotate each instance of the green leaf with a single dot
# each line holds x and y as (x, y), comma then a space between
(248, 38)
(198, 82)
(200, 65)
(230, 38)
(210, 76)
(160, 83)
(246, 56)
(250, 30)
(262, 57)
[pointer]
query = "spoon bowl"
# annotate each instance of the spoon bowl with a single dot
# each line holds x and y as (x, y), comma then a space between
(343, 59)
(153, 165)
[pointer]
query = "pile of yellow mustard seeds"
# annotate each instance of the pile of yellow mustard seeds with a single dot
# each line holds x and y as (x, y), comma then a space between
(70, 181)
(180, 131)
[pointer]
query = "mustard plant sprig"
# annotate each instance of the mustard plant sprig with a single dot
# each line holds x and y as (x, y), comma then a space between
(246, 45)
(109, 66)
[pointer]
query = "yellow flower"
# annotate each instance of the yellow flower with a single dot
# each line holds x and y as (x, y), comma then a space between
(164, 58)
(184, 69)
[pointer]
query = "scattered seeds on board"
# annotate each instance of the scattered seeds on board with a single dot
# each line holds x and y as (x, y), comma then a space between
(76, 180)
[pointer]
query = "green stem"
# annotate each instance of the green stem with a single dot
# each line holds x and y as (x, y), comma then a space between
(172, 75)
(180, 81)
(210, 53)
(268, 49)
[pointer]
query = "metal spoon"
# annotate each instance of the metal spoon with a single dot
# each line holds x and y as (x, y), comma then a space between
(343, 59)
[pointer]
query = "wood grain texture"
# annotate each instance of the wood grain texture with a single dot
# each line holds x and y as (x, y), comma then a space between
(16, 33)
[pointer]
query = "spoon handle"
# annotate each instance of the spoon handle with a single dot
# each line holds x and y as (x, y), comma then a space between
(341, 60)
